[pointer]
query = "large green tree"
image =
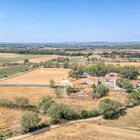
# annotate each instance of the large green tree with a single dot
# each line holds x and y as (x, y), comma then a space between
(108, 108)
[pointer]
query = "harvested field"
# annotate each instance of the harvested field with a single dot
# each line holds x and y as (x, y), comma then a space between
(9, 119)
(39, 77)
(9, 55)
(34, 94)
(41, 58)
(87, 131)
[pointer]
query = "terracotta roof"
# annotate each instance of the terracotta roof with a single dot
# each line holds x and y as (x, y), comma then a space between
(87, 90)
(80, 81)
(81, 86)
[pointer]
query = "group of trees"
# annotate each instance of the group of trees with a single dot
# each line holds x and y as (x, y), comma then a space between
(133, 99)
(41, 51)
(100, 69)
(29, 121)
(113, 54)
(124, 83)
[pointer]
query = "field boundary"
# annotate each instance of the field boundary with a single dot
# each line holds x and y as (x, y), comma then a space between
(17, 74)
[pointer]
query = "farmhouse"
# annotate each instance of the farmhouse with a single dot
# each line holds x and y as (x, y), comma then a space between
(91, 80)
(112, 78)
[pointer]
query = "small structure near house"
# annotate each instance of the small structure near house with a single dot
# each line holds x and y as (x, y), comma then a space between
(66, 82)
(112, 77)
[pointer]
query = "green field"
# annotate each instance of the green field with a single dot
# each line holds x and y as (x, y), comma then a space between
(22, 57)
(11, 70)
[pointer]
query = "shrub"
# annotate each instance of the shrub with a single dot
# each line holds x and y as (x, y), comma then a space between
(6, 103)
(21, 101)
(29, 121)
(59, 93)
(108, 108)
(52, 83)
(70, 90)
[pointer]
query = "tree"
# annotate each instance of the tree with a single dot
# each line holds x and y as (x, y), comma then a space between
(29, 121)
(70, 90)
(133, 98)
(45, 103)
(124, 83)
(26, 60)
(129, 72)
(52, 83)
(108, 108)
(21, 101)
(100, 91)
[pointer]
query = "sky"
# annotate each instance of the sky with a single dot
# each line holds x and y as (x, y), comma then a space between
(69, 20)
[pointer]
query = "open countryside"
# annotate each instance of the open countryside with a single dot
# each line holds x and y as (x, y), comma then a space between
(69, 70)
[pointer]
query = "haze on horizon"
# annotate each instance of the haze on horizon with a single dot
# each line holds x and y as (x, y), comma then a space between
(69, 20)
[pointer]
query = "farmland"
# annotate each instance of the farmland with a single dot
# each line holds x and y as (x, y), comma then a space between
(4, 72)
(86, 130)
(39, 77)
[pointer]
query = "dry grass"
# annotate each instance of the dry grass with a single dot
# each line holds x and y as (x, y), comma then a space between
(34, 94)
(40, 77)
(41, 58)
(1, 67)
(87, 131)
(131, 119)
(9, 55)
(9, 119)
(90, 104)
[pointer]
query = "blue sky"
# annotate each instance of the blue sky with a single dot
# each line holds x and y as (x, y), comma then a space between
(69, 20)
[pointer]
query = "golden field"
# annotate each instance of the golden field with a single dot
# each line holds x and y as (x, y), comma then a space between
(9, 55)
(9, 119)
(41, 58)
(86, 131)
(34, 95)
(40, 76)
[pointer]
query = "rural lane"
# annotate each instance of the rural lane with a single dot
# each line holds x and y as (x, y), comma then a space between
(53, 127)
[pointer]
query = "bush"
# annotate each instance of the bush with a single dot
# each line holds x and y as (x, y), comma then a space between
(8, 134)
(21, 101)
(52, 83)
(70, 90)
(6, 103)
(108, 108)
(29, 121)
